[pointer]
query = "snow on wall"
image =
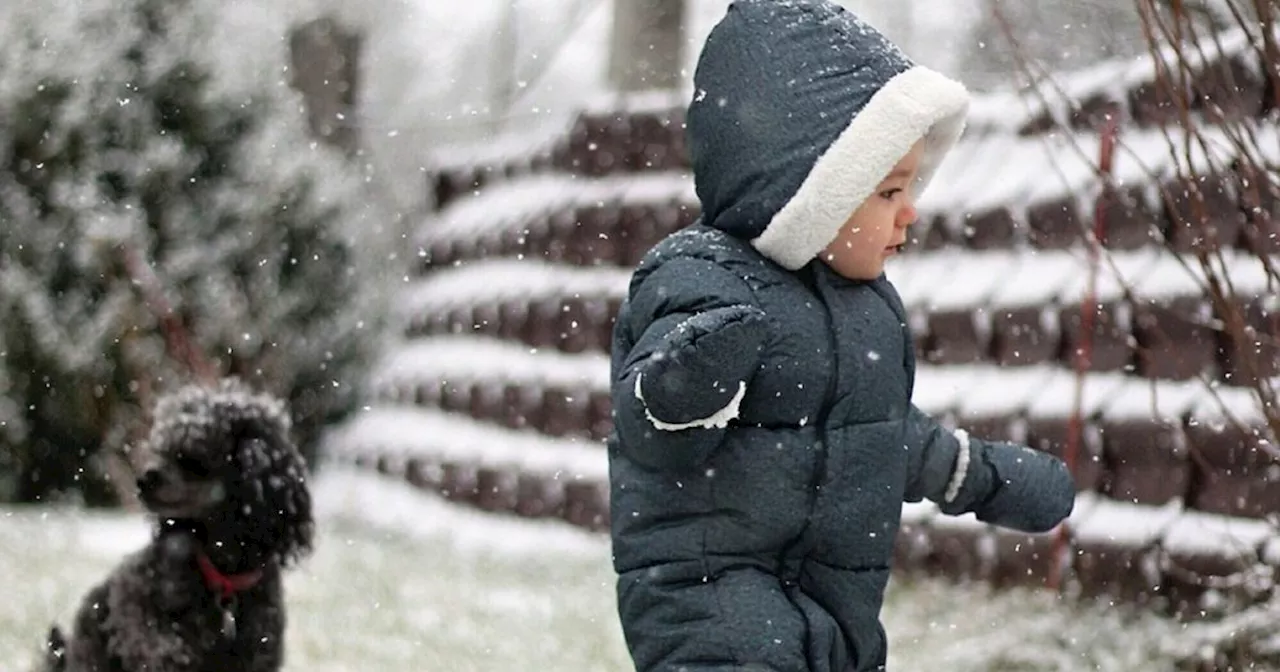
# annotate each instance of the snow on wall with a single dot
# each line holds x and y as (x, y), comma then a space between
(513, 205)
(403, 433)
(1099, 520)
(982, 390)
(470, 358)
(503, 280)
(1047, 392)
(1179, 530)
(520, 147)
(994, 279)
(407, 433)
(989, 171)
(1006, 111)
(513, 148)
(980, 174)
(399, 508)
(1014, 279)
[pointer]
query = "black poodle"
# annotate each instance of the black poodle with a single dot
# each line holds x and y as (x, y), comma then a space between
(228, 490)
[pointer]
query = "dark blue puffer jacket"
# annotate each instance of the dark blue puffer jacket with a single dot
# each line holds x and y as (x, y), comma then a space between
(765, 438)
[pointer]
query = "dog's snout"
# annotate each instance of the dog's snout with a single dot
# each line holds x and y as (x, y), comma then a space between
(150, 480)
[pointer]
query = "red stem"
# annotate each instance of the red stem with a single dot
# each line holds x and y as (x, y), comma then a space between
(1084, 353)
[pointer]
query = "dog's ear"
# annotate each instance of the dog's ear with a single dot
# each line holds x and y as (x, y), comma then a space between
(278, 476)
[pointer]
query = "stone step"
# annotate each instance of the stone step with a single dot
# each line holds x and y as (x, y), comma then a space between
(992, 193)
(552, 393)
(1006, 191)
(620, 134)
(1142, 441)
(1226, 80)
(477, 463)
(1185, 561)
(1013, 309)
(560, 219)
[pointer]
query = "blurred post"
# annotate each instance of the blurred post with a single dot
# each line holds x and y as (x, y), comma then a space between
(505, 60)
(645, 50)
(325, 66)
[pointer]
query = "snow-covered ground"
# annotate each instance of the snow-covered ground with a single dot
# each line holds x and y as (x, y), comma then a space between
(403, 581)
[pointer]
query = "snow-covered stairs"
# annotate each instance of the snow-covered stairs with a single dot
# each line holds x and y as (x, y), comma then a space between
(627, 133)
(498, 397)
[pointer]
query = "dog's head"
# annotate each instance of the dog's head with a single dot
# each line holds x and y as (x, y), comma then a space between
(222, 456)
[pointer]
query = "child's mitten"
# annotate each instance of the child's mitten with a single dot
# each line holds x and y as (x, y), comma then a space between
(704, 365)
(1030, 490)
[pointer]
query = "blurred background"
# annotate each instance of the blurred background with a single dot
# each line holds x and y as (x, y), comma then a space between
(415, 220)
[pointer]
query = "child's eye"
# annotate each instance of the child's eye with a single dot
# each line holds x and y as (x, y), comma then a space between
(888, 194)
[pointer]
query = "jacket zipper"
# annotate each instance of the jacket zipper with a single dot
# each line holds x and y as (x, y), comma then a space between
(788, 552)
(828, 399)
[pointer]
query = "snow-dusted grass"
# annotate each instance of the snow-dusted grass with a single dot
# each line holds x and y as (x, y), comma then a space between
(401, 581)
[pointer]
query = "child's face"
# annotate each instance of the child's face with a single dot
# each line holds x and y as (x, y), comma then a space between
(878, 228)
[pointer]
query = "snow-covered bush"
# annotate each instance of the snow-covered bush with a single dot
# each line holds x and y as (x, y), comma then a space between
(142, 137)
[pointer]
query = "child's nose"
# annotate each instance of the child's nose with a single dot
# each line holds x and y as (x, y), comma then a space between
(907, 216)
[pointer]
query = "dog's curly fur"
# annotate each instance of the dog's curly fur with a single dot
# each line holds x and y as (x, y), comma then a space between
(221, 476)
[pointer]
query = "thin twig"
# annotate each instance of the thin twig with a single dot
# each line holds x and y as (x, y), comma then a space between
(1089, 308)
(178, 341)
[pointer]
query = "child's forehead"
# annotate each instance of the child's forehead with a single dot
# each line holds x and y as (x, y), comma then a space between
(916, 150)
(909, 163)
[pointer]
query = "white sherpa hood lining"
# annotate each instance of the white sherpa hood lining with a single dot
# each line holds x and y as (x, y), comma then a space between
(918, 103)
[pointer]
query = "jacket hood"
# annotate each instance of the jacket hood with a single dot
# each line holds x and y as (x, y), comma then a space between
(800, 109)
